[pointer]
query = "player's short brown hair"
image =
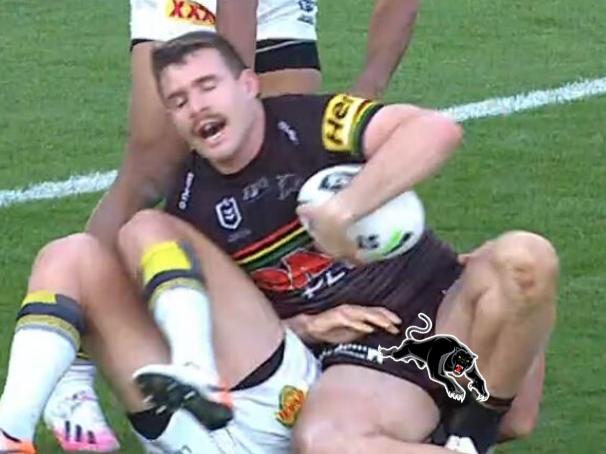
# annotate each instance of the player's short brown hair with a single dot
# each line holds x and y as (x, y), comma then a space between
(176, 50)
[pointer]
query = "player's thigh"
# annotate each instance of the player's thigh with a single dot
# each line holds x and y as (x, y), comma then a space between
(290, 81)
(352, 401)
(458, 307)
(246, 329)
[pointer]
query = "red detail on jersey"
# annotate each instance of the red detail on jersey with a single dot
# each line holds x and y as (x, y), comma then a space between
(297, 271)
(177, 8)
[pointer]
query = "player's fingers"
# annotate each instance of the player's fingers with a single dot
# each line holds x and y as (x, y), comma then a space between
(360, 326)
(349, 321)
(390, 315)
(373, 315)
(378, 319)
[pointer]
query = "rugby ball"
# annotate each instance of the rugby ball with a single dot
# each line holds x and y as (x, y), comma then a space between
(390, 230)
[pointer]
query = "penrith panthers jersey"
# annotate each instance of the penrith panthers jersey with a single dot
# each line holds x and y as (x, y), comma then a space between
(251, 214)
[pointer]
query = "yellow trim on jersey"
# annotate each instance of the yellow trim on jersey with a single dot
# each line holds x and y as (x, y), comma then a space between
(342, 117)
(162, 257)
(272, 247)
(40, 296)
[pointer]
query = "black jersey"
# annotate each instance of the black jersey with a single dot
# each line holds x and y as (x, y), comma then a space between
(251, 214)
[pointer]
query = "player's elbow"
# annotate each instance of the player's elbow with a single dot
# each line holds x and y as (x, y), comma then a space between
(446, 131)
(441, 134)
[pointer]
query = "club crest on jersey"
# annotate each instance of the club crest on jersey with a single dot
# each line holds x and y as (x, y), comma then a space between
(228, 213)
(291, 401)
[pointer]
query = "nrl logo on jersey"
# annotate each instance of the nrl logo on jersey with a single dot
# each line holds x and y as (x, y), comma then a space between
(228, 213)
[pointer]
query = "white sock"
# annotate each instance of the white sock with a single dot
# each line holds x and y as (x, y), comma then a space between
(183, 434)
(184, 315)
(37, 361)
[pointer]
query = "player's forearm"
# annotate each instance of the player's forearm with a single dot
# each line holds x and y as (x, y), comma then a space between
(237, 22)
(116, 207)
(413, 152)
(389, 34)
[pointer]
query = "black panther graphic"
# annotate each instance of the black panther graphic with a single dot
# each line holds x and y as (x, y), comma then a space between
(444, 357)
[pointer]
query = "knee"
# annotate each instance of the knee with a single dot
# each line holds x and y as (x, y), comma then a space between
(66, 252)
(63, 263)
(529, 264)
(143, 225)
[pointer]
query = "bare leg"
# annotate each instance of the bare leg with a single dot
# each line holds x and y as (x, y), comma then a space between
(76, 291)
(353, 409)
(120, 331)
(521, 419)
(245, 329)
(504, 307)
(290, 81)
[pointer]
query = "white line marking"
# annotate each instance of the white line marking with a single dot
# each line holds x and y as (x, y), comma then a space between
(526, 101)
(492, 107)
(74, 185)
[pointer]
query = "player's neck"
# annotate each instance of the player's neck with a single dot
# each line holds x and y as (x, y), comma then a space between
(251, 148)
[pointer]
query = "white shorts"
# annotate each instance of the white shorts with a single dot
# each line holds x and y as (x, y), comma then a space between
(264, 414)
(161, 20)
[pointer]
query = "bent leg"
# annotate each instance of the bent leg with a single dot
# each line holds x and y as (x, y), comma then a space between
(76, 291)
(503, 308)
(245, 329)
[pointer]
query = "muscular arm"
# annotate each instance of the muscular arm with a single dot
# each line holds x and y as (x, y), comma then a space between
(152, 155)
(389, 34)
(404, 145)
(237, 22)
(134, 189)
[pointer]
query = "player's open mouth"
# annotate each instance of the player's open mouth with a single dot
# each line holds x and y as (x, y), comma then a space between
(211, 130)
(458, 369)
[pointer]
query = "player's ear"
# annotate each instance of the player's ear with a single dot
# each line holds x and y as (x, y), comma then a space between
(250, 82)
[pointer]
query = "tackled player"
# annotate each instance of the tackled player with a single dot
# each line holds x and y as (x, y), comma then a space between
(286, 58)
(239, 188)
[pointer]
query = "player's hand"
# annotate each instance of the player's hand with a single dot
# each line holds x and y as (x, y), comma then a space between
(348, 322)
(327, 224)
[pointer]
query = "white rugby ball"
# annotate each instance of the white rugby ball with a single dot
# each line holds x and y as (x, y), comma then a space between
(390, 230)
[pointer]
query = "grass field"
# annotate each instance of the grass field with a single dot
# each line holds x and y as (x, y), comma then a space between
(63, 94)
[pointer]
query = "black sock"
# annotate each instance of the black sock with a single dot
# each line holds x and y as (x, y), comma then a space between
(149, 423)
(478, 421)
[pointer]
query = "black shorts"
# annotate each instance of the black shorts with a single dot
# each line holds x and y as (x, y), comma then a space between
(278, 54)
(407, 304)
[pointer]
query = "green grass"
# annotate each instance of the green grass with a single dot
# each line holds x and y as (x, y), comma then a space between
(63, 100)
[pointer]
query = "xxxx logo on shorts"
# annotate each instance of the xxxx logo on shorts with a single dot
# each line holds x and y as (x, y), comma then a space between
(291, 401)
(190, 11)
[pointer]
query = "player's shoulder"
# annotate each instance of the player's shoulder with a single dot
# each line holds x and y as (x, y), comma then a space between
(329, 106)
(336, 119)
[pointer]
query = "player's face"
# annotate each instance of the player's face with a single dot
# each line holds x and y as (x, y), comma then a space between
(211, 108)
